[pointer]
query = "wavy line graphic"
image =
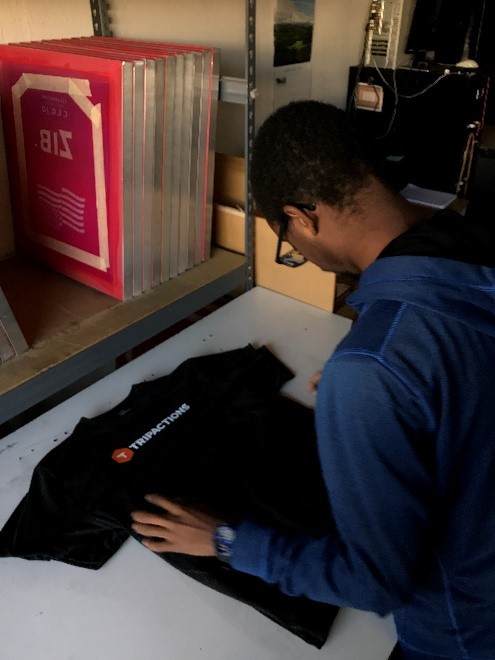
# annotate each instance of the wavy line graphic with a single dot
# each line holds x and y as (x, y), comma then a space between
(61, 208)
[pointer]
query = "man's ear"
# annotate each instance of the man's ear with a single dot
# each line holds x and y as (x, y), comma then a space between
(308, 220)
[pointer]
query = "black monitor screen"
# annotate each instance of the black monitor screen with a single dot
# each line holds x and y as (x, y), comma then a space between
(422, 36)
(441, 26)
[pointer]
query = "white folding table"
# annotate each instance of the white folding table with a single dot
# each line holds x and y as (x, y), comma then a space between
(137, 606)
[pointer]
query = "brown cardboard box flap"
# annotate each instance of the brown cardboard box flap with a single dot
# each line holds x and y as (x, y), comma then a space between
(230, 181)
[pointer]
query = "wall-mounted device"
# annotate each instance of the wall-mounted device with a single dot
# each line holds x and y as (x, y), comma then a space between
(382, 33)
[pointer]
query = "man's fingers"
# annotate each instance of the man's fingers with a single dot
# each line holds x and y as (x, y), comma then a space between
(164, 503)
(313, 381)
(148, 518)
(158, 546)
(156, 531)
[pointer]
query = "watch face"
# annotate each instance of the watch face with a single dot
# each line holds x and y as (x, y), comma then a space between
(223, 538)
(227, 533)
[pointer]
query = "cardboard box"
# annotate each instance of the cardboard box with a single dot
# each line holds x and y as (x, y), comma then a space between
(230, 181)
(306, 283)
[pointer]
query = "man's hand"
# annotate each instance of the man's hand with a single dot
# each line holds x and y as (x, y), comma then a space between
(177, 529)
(313, 382)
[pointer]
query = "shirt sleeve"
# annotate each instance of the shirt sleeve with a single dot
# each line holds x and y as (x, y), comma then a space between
(377, 452)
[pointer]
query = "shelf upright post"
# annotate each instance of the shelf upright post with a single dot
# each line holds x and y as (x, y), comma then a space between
(101, 21)
(249, 135)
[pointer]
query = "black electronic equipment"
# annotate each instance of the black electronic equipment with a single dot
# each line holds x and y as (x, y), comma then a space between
(427, 127)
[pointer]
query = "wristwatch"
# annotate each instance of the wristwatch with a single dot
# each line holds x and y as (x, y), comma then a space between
(223, 538)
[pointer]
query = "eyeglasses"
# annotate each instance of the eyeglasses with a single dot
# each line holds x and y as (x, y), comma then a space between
(293, 258)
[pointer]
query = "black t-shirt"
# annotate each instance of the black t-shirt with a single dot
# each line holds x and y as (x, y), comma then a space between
(214, 433)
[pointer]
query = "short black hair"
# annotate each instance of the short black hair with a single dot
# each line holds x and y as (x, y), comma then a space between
(307, 151)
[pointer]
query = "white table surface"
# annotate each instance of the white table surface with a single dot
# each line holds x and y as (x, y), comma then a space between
(138, 607)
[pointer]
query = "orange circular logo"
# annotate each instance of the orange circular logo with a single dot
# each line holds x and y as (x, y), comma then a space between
(122, 455)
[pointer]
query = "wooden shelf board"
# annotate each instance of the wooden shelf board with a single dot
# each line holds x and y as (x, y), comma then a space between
(61, 318)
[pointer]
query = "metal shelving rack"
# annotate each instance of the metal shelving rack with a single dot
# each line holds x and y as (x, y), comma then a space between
(59, 361)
